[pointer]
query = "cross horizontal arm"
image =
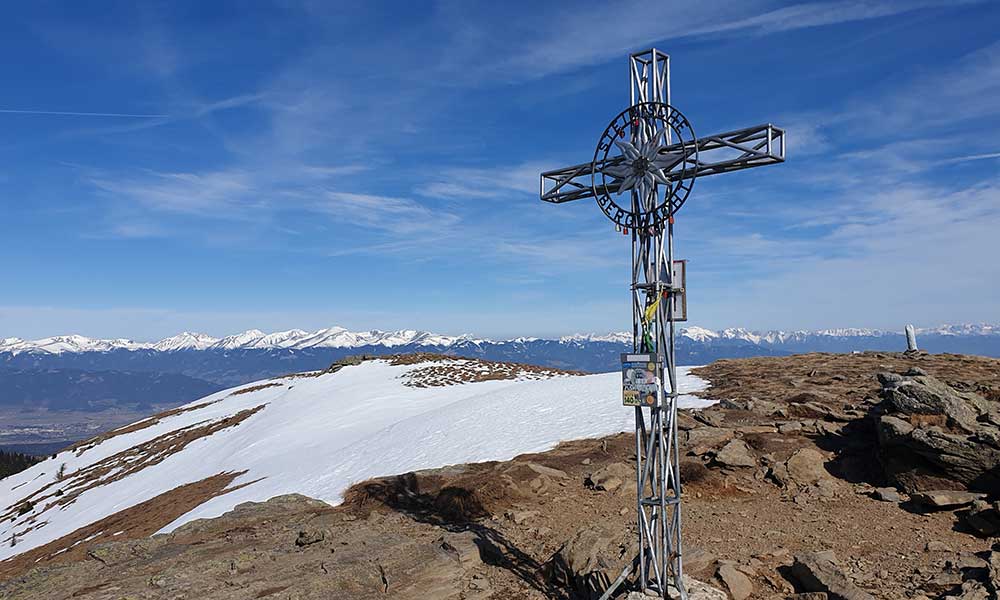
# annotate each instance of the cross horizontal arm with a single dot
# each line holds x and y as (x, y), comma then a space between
(731, 151)
(751, 147)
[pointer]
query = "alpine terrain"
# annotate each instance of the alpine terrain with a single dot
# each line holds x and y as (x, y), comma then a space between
(843, 476)
(313, 433)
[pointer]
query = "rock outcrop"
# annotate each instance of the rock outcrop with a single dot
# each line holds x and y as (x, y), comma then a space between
(818, 572)
(933, 436)
(583, 563)
(983, 518)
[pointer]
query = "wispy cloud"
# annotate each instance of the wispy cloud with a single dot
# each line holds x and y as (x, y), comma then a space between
(494, 182)
(818, 14)
(559, 254)
(62, 113)
(928, 101)
(561, 50)
(397, 215)
(217, 194)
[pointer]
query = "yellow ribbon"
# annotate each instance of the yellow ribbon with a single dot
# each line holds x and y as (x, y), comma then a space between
(651, 310)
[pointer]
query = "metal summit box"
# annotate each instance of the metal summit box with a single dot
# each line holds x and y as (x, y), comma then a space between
(639, 379)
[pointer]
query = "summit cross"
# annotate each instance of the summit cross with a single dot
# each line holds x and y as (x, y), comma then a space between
(641, 173)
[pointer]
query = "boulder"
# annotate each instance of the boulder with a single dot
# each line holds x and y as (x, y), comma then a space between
(733, 404)
(735, 582)
(971, 590)
(764, 407)
(791, 427)
(994, 573)
(696, 559)
(711, 416)
(707, 436)
(926, 395)
(969, 560)
(582, 562)
(946, 499)
(934, 436)
(887, 494)
(308, 537)
(548, 471)
(698, 590)
(610, 477)
(983, 518)
(806, 466)
(818, 572)
(685, 421)
(736, 453)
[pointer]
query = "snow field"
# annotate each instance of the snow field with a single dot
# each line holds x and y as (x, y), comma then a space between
(319, 435)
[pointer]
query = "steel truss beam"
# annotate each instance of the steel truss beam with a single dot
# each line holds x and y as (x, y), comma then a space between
(658, 482)
(733, 150)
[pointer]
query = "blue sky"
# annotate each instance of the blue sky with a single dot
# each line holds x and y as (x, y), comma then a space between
(300, 164)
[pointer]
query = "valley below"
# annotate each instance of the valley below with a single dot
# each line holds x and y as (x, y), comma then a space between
(45, 432)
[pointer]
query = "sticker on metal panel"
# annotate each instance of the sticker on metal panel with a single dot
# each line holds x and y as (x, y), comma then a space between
(639, 372)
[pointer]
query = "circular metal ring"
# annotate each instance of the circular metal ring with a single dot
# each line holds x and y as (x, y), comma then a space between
(644, 165)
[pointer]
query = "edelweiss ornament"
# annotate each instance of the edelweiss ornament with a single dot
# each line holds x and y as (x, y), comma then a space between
(653, 173)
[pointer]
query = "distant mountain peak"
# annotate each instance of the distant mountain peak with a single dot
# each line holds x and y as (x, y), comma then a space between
(622, 337)
(185, 341)
(339, 337)
(698, 334)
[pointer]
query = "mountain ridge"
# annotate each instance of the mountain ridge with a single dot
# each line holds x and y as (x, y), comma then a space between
(339, 337)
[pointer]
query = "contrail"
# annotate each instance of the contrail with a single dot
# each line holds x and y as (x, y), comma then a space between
(78, 114)
(971, 157)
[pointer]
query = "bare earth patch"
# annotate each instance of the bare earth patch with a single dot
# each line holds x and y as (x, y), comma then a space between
(448, 370)
(255, 388)
(83, 446)
(139, 521)
(844, 377)
(29, 511)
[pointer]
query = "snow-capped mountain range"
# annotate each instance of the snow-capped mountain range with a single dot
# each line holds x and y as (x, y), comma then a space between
(34, 365)
(339, 337)
(332, 337)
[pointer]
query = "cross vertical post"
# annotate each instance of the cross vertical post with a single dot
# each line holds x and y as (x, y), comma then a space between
(658, 482)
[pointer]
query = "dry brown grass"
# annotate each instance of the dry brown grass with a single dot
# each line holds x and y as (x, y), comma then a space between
(62, 492)
(141, 520)
(83, 446)
(844, 377)
(255, 388)
(445, 371)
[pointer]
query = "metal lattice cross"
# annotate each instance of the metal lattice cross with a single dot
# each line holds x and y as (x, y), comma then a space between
(643, 170)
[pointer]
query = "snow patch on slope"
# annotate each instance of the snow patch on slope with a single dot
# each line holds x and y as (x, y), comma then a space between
(319, 435)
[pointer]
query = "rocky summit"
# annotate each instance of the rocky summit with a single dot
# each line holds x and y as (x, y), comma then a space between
(793, 489)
